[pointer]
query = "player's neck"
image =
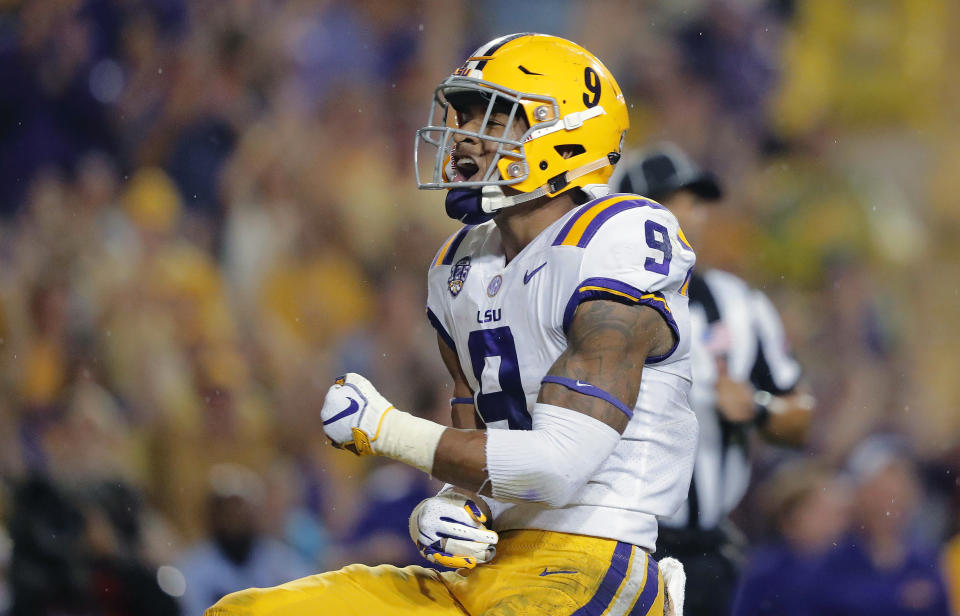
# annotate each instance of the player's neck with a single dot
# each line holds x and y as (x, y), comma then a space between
(519, 225)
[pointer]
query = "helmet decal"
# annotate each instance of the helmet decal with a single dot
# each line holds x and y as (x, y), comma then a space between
(479, 58)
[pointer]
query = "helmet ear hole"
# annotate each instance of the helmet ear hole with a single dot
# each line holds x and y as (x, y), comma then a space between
(569, 150)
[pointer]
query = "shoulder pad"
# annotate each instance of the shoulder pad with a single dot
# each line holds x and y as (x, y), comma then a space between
(449, 248)
(584, 224)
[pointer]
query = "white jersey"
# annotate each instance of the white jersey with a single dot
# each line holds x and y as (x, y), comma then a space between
(508, 323)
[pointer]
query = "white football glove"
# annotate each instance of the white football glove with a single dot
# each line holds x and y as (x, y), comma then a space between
(449, 530)
(352, 414)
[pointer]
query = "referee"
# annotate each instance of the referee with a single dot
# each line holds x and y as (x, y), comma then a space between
(744, 379)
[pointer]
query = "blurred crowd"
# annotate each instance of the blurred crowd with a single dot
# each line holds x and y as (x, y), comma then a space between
(207, 212)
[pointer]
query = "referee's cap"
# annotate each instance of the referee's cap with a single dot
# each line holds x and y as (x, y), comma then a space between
(661, 170)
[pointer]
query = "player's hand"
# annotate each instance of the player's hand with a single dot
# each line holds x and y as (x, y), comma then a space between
(449, 530)
(352, 413)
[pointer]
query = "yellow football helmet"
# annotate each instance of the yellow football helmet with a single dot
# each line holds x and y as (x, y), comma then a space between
(573, 107)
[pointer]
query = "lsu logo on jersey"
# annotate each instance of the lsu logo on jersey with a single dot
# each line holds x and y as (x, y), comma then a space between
(458, 274)
(494, 285)
(489, 316)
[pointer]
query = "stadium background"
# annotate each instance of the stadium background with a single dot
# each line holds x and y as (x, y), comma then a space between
(207, 211)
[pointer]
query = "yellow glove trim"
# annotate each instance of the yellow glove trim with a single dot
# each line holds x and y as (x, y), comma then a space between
(482, 518)
(455, 562)
(361, 443)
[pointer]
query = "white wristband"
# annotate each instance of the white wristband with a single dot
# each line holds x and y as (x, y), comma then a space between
(409, 439)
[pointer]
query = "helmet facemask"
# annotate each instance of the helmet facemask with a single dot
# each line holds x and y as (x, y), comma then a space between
(441, 130)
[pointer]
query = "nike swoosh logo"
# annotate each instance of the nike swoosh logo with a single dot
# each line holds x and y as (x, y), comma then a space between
(352, 408)
(545, 572)
(528, 275)
(582, 384)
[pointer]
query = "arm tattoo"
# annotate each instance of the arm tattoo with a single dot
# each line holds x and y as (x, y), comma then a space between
(608, 343)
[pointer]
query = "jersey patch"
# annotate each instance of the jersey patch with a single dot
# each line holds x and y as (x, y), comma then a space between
(494, 285)
(458, 275)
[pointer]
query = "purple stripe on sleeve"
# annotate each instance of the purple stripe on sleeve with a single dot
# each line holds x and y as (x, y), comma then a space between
(455, 400)
(573, 219)
(661, 307)
(437, 325)
(448, 258)
(589, 390)
(579, 296)
(609, 213)
(611, 582)
(636, 297)
(651, 588)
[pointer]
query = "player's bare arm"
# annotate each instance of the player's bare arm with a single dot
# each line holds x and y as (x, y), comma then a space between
(463, 414)
(608, 344)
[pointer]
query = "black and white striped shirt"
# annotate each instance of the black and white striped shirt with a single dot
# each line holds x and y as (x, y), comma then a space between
(728, 320)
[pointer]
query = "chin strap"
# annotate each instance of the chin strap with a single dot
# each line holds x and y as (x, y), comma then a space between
(493, 199)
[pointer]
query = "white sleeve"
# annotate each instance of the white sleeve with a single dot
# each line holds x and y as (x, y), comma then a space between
(550, 463)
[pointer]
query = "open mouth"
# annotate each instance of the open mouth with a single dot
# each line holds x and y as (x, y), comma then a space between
(466, 168)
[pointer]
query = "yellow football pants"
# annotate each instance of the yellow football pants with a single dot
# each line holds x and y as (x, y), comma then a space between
(534, 573)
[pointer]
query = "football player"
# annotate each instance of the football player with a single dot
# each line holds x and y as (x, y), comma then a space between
(562, 318)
